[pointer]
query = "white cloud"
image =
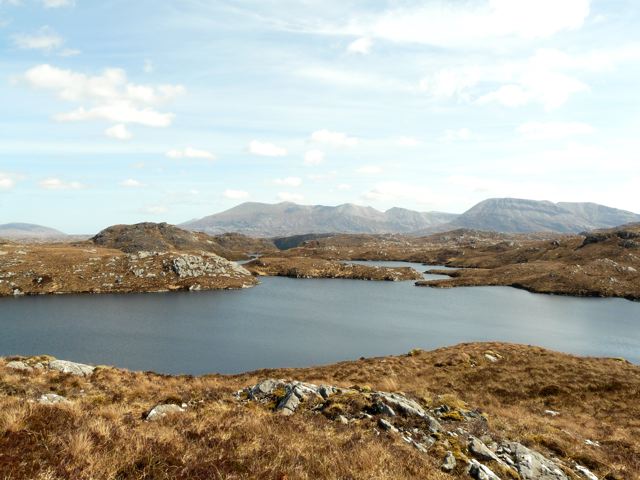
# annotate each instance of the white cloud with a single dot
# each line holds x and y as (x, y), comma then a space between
(266, 149)
(6, 181)
(344, 186)
(469, 23)
(361, 45)
(58, 3)
(461, 134)
(53, 183)
(131, 183)
(553, 130)
(290, 197)
(321, 177)
(235, 194)
(190, 152)
(119, 132)
(369, 170)
(398, 191)
(546, 78)
(334, 139)
(44, 39)
(313, 157)
(114, 98)
(288, 181)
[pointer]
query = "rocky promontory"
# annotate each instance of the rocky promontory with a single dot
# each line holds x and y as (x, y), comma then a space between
(305, 267)
(482, 411)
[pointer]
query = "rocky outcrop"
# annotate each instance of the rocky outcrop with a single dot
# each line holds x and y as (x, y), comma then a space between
(413, 423)
(304, 267)
(60, 268)
(64, 366)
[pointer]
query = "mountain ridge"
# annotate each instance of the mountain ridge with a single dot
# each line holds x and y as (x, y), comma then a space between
(508, 215)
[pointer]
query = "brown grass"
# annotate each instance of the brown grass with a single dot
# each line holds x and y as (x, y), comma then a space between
(101, 433)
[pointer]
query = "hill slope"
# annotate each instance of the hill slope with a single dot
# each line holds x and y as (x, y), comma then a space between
(26, 231)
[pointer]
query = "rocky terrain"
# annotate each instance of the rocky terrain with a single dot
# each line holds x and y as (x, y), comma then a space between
(474, 411)
(305, 267)
(603, 263)
(84, 268)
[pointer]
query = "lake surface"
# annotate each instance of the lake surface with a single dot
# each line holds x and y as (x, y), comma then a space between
(290, 323)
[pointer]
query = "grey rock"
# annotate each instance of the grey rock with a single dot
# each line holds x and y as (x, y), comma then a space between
(52, 399)
(407, 407)
(449, 462)
(532, 465)
(342, 419)
(19, 365)
(209, 264)
(481, 472)
(161, 411)
(480, 450)
(73, 368)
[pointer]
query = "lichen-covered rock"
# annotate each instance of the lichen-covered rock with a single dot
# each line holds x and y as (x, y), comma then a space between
(586, 473)
(65, 366)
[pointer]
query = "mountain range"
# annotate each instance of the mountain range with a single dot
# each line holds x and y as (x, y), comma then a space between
(510, 215)
(286, 218)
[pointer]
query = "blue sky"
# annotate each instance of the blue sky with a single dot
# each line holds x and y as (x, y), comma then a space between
(119, 111)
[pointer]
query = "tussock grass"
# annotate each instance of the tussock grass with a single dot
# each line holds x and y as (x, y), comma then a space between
(101, 434)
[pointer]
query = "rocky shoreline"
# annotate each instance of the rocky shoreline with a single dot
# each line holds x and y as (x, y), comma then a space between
(474, 411)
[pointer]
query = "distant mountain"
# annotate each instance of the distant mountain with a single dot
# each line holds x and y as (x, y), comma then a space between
(514, 215)
(29, 231)
(286, 218)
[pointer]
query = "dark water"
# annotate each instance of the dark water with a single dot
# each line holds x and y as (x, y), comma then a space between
(288, 322)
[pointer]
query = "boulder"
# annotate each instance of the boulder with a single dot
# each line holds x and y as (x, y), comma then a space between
(73, 368)
(161, 411)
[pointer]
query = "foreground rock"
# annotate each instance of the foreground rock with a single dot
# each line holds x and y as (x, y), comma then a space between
(424, 429)
(303, 267)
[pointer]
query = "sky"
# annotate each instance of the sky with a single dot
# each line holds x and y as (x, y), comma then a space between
(120, 111)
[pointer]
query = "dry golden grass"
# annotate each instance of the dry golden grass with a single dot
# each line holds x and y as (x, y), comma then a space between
(101, 434)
